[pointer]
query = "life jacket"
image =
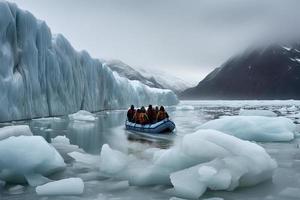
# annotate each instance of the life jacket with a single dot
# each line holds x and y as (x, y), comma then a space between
(151, 115)
(143, 118)
(130, 115)
(136, 117)
(161, 115)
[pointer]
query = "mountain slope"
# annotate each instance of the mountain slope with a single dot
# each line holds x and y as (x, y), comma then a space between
(42, 75)
(166, 80)
(127, 71)
(261, 73)
(152, 78)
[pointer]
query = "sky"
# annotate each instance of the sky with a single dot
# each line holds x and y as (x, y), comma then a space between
(186, 38)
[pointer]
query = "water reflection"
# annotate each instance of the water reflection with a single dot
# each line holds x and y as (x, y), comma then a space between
(108, 128)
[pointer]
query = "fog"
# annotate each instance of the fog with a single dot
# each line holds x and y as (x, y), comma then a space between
(187, 38)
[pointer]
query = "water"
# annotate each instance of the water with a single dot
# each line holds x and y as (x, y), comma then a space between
(188, 116)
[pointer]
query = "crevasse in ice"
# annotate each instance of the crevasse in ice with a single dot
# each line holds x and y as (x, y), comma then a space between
(42, 75)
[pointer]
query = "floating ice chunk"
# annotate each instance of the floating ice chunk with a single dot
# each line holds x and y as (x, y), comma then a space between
(184, 108)
(82, 115)
(28, 158)
(112, 161)
(18, 130)
(63, 146)
(204, 159)
(246, 164)
(69, 186)
(294, 116)
(254, 128)
(265, 113)
(60, 140)
(85, 158)
(292, 108)
(283, 110)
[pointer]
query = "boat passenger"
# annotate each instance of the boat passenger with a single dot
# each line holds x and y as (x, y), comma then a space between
(162, 114)
(136, 116)
(130, 113)
(143, 117)
(151, 114)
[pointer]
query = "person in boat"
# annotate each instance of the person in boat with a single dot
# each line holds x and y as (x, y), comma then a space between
(131, 113)
(162, 114)
(156, 111)
(151, 114)
(143, 117)
(136, 116)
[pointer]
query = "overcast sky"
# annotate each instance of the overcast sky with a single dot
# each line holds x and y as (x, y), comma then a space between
(187, 38)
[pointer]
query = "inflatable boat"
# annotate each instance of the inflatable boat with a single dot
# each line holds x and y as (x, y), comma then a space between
(163, 126)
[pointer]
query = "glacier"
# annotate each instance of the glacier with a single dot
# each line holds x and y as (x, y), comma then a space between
(43, 75)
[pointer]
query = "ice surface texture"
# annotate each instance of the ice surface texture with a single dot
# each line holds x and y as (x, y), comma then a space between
(28, 158)
(42, 75)
(18, 130)
(82, 115)
(204, 159)
(237, 163)
(255, 128)
(265, 113)
(69, 186)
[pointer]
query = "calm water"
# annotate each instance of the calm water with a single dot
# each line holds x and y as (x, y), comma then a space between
(188, 116)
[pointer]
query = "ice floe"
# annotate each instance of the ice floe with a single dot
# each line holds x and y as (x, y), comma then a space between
(17, 130)
(82, 115)
(28, 158)
(69, 186)
(204, 159)
(255, 128)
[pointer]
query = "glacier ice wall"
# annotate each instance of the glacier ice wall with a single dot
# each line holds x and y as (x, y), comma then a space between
(42, 75)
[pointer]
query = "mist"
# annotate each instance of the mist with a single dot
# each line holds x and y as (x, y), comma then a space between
(185, 38)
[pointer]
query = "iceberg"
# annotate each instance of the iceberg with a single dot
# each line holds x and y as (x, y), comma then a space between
(17, 130)
(82, 115)
(43, 75)
(201, 160)
(112, 161)
(64, 147)
(69, 186)
(28, 159)
(254, 128)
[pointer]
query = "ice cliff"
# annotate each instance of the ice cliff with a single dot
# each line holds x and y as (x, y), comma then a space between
(42, 75)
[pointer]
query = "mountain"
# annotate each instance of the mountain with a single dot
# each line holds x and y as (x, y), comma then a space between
(168, 81)
(272, 72)
(152, 78)
(43, 75)
(127, 71)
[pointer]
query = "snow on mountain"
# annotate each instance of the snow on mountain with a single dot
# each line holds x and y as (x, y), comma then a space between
(153, 78)
(127, 71)
(42, 75)
(167, 80)
(268, 72)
